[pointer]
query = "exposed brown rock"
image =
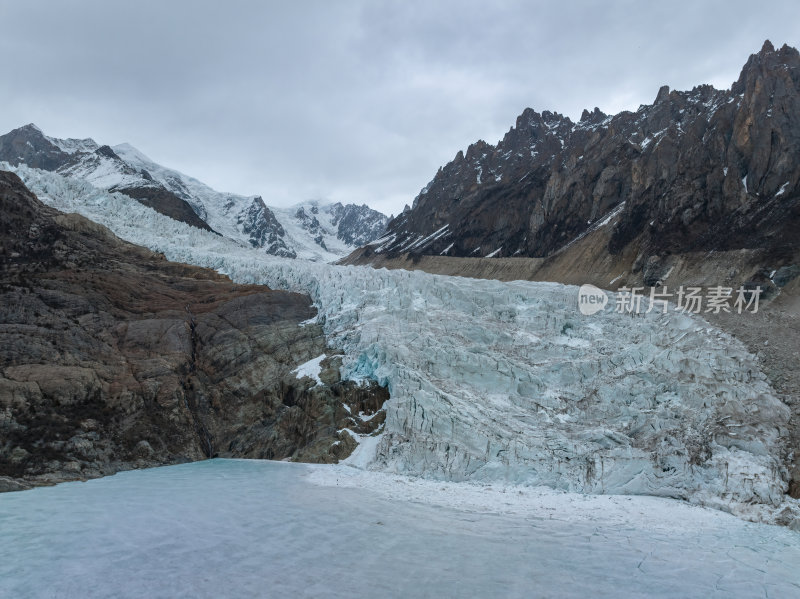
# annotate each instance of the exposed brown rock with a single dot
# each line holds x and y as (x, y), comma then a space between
(113, 358)
(166, 203)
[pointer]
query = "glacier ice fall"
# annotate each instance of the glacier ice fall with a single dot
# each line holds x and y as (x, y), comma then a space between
(494, 381)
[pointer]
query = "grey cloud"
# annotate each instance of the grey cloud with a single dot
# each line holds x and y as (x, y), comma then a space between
(351, 100)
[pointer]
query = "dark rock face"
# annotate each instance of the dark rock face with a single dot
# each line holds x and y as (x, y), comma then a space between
(166, 203)
(357, 225)
(700, 170)
(310, 223)
(264, 230)
(28, 145)
(113, 358)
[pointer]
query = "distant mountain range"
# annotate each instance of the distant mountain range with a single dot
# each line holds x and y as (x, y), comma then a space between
(311, 230)
(696, 171)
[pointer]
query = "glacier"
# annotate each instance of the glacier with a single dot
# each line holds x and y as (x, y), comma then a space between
(494, 381)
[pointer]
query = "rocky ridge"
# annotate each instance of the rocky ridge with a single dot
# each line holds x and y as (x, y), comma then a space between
(696, 171)
(357, 225)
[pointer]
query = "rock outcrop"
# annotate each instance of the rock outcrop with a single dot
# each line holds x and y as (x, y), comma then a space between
(264, 230)
(112, 358)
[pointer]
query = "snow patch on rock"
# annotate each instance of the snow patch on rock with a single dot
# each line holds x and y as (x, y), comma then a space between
(310, 369)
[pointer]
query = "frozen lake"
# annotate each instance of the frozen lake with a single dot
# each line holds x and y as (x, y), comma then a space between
(237, 528)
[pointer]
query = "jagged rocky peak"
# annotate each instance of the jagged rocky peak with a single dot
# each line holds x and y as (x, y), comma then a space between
(477, 150)
(98, 165)
(595, 117)
(357, 225)
(309, 222)
(308, 219)
(107, 152)
(530, 119)
(663, 94)
(765, 63)
(29, 145)
(697, 170)
(264, 231)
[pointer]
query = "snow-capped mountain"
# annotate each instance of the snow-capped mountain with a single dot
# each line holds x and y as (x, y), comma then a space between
(311, 230)
(100, 166)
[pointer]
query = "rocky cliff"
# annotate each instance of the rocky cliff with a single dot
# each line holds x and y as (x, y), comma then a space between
(112, 357)
(696, 171)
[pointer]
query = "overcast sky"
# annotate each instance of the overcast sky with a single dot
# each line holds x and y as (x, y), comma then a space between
(347, 100)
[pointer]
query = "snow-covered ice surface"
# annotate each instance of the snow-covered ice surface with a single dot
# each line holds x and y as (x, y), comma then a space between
(507, 381)
(494, 381)
(239, 528)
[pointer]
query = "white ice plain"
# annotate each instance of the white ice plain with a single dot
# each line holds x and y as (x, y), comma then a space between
(240, 528)
(508, 382)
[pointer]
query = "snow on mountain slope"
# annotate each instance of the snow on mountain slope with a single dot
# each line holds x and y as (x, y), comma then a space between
(100, 165)
(103, 168)
(495, 381)
(246, 218)
(326, 232)
(312, 231)
(309, 230)
(71, 145)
